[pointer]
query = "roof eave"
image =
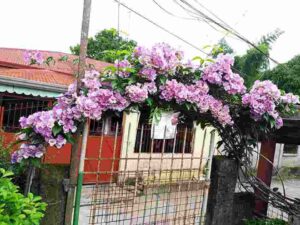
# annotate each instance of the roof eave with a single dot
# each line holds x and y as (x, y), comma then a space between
(19, 82)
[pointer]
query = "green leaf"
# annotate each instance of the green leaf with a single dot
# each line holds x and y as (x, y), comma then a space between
(49, 60)
(27, 130)
(113, 69)
(70, 138)
(209, 60)
(7, 174)
(75, 61)
(63, 58)
(27, 211)
(162, 79)
(56, 129)
(149, 102)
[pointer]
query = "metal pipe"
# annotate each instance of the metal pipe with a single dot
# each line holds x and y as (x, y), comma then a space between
(80, 173)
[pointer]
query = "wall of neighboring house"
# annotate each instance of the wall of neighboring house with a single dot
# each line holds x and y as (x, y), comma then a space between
(153, 163)
(286, 155)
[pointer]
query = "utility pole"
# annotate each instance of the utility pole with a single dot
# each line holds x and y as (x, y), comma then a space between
(76, 147)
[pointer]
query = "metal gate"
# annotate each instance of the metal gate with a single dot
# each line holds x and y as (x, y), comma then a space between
(156, 182)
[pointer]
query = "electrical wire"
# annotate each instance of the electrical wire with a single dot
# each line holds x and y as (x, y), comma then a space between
(172, 14)
(162, 28)
(228, 29)
(171, 33)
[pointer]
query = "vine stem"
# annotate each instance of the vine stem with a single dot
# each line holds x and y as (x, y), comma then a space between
(29, 178)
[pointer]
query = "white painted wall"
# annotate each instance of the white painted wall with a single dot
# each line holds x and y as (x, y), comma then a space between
(280, 159)
(148, 163)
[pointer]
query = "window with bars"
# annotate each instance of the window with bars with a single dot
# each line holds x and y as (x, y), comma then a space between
(290, 149)
(181, 143)
(108, 125)
(13, 108)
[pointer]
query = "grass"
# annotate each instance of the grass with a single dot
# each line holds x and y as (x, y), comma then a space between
(287, 173)
(265, 222)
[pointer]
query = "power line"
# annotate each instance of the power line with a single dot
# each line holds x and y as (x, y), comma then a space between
(228, 29)
(162, 28)
(171, 33)
(196, 17)
(170, 13)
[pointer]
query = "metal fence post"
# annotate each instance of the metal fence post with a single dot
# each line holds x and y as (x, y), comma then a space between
(80, 173)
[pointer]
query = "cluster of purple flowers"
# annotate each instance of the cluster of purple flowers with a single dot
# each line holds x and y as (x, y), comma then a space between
(42, 124)
(65, 114)
(122, 67)
(289, 98)
(137, 93)
(33, 57)
(91, 80)
(151, 87)
(148, 73)
(196, 94)
(220, 73)
(28, 151)
(161, 57)
(96, 102)
(262, 99)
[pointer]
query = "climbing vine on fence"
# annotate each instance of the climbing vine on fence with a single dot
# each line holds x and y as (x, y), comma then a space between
(159, 79)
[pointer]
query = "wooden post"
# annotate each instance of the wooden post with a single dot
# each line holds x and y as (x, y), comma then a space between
(264, 172)
(75, 148)
(1, 117)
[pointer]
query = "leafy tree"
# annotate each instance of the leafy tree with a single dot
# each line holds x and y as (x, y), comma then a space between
(250, 65)
(254, 62)
(286, 76)
(222, 47)
(107, 45)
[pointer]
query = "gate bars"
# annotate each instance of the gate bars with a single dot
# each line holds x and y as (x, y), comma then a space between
(135, 185)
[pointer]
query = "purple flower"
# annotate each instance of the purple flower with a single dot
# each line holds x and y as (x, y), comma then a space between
(151, 87)
(28, 151)
(220, 73)
(289, 98)
(33, 57)
(263, 99)
(137, 93)
(148, 73)
(174, 90)
(122, 67)
(161, 57)
(91, 80)
(175, 118)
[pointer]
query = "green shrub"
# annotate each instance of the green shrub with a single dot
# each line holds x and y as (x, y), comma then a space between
(15, 208)
(266, 222)
(5, 158)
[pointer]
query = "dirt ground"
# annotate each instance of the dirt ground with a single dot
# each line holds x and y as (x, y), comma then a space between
(121, 207)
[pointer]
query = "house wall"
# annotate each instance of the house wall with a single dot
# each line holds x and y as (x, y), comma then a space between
(152, 163)
(281, 159)
(288, 160)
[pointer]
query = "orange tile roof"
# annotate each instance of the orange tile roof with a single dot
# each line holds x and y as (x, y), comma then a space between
(14, 58)
(12, 64)
(38, 75)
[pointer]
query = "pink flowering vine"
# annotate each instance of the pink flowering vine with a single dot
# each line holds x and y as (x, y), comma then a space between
(33, 57)
(220, 73)
(146, 76)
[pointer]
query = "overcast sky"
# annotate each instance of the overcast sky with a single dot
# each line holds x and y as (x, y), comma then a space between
(55, 25)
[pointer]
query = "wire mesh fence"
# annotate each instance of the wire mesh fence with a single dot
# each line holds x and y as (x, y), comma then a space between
(146, 182)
